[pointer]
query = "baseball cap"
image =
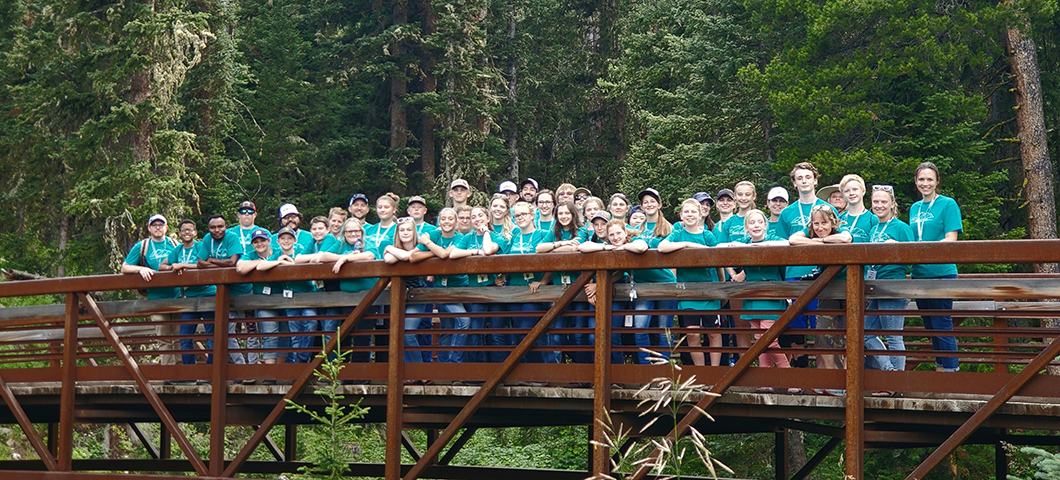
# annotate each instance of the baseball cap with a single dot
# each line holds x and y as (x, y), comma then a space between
(283, 231)
(259, 233)
(358, 196)
(703, 197)
(649, 191)
(635, 209)
(158, 217)
(619, 195)
(602, 215)
(530, 181)
(725, 192)
(581, 190)
(460, 182)
(288, 209)
(777, 192)
(247, 205)
(506, 187)
(826, 192)
(417, 199)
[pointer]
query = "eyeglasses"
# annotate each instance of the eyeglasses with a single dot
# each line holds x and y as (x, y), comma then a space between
(521, 215)
(581, 197)
(358, 231)
(885, 188)
(156, 225)
(404, 220)
(545, 202)
(246, 211)
(187, 230)
(566, 194)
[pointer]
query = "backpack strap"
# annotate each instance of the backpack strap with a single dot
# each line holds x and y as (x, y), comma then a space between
(143, 252)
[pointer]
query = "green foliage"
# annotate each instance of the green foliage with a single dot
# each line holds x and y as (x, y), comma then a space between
(1046, 463)
(330, 456)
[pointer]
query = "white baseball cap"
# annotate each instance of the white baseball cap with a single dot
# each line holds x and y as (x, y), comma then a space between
(507, 187)
(288, 209)
(777, 192)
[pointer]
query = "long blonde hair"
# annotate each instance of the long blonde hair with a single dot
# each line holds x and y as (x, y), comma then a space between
(507, 226)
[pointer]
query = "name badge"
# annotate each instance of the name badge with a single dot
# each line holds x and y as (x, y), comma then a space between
(870, 275)
(564, 279)
(632, 294)
(288, 293)
(443, 281)
(266, 290)
(528, 277)
(483, 278)
(628, 321)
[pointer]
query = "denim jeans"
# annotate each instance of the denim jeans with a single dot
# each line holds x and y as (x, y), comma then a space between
(894, 342)
(933, 322)
(267, 327)
(663, 341)
(412, 323)
(499, 324)
(527, 323)
(189, 329)
(358, 340)
(616, 323)
(451, 339)
(302, 326)
(476, 339)
(578, 339)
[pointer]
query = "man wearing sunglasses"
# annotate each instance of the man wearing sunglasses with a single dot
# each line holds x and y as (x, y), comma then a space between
(247, 214)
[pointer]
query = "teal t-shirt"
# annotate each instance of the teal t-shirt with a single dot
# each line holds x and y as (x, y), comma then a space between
(230, 245)
(425, 228)
(561, 278)
(544, 225)
(773, 227)
(157, 252)
(299, 286)
(301, 243)
(930, 222)
(771, 273)
(182, 254)
(795, 218)
(376, 239)
(244, 239)
(275, 288)
(442, 241)
(328, 244)
(473, 241)
(354, 284)
(692, 275)
(524, 243)
(652, 275)
(859, 226)
(731, 230)
(893, 229)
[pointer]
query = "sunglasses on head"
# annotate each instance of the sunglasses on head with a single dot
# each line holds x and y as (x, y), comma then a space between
(885, 188)
(404, 220)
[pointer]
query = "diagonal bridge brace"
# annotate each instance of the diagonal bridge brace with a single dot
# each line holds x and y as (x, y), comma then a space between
(27, 427)
(347, 326)
(972, 424)
(145, 387)
(734, 373)
(509, 364)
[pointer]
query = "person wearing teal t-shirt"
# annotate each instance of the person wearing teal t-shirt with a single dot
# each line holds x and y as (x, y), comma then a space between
(694, 235)
(442, 241)
(524, 241)
(378, 236)
(777, 201)
(264, 257)
(247, 214)
(144, 259)
(417, 209)
(351, 249)
(482, 241)
(618, 207)
(732, 230)
(856, 219)
(935, 218)
(564, 237)
(219, 249)
(184, 257)
(654, 229)
(303, 323)
(758, 235)
(545, 217)
(890, 229)
(405, 249)
(619, 238)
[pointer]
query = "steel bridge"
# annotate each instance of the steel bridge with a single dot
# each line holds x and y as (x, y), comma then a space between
(87, 362)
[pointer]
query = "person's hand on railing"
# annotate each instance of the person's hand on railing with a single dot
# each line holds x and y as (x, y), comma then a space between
(590, 293)
(534, 286)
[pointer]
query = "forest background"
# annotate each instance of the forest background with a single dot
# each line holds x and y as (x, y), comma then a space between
(114, 110)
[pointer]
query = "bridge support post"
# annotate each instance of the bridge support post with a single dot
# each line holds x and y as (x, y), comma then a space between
(65, 452)
(601, 456)
(1000, 458)
(780, 454)
(219, 388)
(855, 408)
(395, 379)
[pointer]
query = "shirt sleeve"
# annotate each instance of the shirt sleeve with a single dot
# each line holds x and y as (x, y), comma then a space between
(951, 218)
(133, 258)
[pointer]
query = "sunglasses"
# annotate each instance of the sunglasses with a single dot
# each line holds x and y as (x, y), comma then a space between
(885, 188)
(246, 211)
(404, 220)
(581, 197)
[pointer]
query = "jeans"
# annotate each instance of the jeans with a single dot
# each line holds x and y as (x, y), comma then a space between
(476, 339)
(189, 329)
(302, 326)
(528, 323)
(499, 339)
(804, 321)
(451, 339)
(578, 339)
(412, 323)
(616, 323)
(643, 340)
(267, 327)
(931, 322)
(894, 342)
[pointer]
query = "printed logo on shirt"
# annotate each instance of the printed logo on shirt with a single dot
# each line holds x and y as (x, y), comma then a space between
(922, 217)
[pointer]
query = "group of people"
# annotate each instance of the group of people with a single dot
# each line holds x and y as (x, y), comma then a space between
(527, 219)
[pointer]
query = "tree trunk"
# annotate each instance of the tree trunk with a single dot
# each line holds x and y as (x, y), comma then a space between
(513, 98)
(140, 142)
(398, 89)
(1034, 149)
(64, 237)
(430, 85)
(797, 455)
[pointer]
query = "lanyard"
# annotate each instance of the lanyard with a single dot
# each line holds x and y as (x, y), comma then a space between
(186, 254)
(920, 218)
(804, 218)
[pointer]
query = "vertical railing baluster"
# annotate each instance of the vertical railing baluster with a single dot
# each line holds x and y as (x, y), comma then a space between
(602, 372)
(69, 385)
(219, 390)
(396, 379)
(855, 401)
